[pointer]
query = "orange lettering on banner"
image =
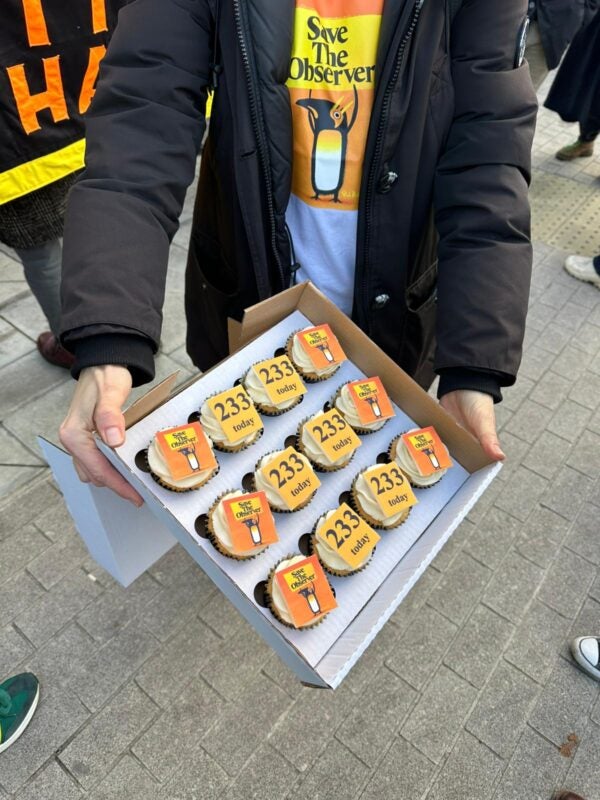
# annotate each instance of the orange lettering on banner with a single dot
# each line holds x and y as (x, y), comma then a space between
(35, 23)
(28, 105)
(99, 16)
(88, 87)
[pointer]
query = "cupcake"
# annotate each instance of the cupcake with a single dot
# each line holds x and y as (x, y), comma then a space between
(327, 441)
(274, 386)
(315, 352)
(231, 420)
(364, 404)
(342, 541)
(240, 525)
(298, 592)
(421, 455)
(182, 459)
(287, 479)
(382, 496)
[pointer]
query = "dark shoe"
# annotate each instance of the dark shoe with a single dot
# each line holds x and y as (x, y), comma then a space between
(53, 351)
(19, 697)
(567, 796)
(578, 149)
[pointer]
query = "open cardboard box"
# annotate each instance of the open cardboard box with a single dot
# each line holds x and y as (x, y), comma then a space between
(126, 541)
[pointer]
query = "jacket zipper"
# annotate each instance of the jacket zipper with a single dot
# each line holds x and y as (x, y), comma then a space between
(258, 132)
(385, 106)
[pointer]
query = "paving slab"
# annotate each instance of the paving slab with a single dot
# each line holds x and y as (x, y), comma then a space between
(469, 773)
(51, 783)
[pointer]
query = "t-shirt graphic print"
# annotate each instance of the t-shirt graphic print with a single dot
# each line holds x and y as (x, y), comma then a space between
(331, 84)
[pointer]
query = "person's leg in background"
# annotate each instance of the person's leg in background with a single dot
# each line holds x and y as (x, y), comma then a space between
(42, 267)
(584, 146)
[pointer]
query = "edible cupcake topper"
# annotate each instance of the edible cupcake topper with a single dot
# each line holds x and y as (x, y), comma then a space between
(236, 414)
(186, 450)
(371, 400)
(280, 379)
(348, 535)
(292, 476)
(251, 523)
(427, 450)
(332, 434)
(306, 591)
(321, 346)
(390, 487)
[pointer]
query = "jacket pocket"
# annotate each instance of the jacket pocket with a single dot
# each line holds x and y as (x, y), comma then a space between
(419, 328)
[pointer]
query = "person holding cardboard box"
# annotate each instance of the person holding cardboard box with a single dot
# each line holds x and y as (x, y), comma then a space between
(379, 149)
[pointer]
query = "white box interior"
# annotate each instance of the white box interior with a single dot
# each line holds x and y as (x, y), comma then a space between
(353, 592)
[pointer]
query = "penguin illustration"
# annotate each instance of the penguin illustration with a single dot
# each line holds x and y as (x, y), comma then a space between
(330, 125)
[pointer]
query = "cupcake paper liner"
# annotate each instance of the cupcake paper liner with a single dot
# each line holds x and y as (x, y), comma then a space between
(309, 377)
(214, 539)
(271, 604)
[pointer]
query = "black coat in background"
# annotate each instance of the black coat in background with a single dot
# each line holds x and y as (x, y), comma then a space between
(559, 21)
(575, 93)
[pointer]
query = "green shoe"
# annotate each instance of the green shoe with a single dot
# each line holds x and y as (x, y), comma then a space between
(19, 697)
(578, 149)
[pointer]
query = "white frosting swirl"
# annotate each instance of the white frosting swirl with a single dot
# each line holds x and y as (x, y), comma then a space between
(345, 404)
(301, 359)
(259, 394)
(159, 467)
(277, 595)
(214, 429)
(370, 504)
(220, 528)
(329, 555)
(407, 464)
(262, 484)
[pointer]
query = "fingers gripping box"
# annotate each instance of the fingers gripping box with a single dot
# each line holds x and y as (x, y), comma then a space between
(126, 541)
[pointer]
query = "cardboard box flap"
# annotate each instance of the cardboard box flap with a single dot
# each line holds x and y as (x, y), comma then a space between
(151, 401)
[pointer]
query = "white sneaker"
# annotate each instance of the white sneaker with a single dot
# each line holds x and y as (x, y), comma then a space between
(586, 652)
(582, 268)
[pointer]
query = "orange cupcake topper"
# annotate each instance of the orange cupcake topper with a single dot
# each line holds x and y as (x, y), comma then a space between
(186, 450)
(333, 435)
(250, 521)
(236, 413)
(371, 400)
(321, 346)
(427, 450)
(306, 591)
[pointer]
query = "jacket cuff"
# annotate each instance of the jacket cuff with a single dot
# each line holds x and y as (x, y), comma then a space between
(454, 378)
(122, 349)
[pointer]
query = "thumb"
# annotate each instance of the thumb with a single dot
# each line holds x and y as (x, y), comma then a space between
(484, 428)
(108, 416)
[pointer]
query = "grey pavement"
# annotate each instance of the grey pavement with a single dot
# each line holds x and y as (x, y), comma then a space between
(161, 690)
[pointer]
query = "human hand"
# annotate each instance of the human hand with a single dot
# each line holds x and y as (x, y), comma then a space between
(97, 405)
(475, 412)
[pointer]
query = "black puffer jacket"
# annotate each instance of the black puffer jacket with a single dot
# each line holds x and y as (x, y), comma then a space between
(449, 143)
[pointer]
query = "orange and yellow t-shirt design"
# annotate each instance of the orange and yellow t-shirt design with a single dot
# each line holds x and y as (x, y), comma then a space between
(331, 84)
